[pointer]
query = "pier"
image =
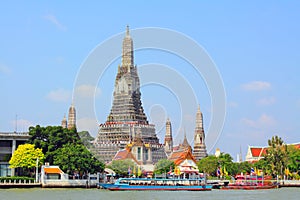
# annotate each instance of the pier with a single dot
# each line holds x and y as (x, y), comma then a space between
(290, 183)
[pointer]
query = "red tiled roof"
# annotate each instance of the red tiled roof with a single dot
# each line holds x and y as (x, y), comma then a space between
(261, 151)
(297, 146)
(179, 156)
(258, 151)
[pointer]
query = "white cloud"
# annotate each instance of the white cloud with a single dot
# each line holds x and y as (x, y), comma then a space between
(256, 86)
(266, 101)
(263, 121)
(54, 20)
(88, 91)
(22, 125)
(60, 95)
(4, 69)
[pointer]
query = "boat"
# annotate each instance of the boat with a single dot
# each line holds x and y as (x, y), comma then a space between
(250, 183)
(171, 184)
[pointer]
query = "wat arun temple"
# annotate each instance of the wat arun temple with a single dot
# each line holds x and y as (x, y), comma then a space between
(127, 127)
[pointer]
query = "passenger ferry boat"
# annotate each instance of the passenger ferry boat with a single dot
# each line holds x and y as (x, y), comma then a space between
(250, 183)
(157, 184)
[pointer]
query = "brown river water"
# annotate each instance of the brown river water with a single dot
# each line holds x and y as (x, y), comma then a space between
(94, 194)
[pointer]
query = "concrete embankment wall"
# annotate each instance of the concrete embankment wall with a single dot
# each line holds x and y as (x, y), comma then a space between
(69, 183)
(290, 183)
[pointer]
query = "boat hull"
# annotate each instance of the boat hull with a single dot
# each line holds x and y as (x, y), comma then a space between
(113, 187)
(248, 187)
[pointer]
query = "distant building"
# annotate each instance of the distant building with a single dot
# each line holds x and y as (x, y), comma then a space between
(9, 142)
(127, 117)
(218, 152)
(255, 153)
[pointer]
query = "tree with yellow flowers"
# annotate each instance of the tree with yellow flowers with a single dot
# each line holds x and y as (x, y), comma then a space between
(26, 157)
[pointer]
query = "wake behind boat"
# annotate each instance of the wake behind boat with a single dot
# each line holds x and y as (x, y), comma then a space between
(157, 184)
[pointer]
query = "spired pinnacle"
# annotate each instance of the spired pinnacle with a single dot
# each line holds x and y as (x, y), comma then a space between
(127, 30)
(127, 51)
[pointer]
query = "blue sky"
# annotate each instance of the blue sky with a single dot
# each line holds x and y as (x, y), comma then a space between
(255, 46)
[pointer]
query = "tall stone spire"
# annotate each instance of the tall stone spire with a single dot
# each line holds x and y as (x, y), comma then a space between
(199, 137)
(72, 117)
(127, 117)
(168, 138)
(127, 51)
(127, 105)
(64, 122)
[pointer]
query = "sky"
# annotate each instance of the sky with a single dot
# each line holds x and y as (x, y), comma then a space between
(254, 46)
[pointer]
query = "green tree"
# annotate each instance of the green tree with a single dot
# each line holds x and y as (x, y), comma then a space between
(86, 138)
(225, 159)
(208, 165)
(293, 159)
(121, 166)
(51, 138)
(244, 167)
(64, 147)
(163, 166)
(76, 157)
(277, 155)
(26, 157)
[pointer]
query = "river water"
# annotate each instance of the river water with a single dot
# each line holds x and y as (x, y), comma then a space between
(94, 194)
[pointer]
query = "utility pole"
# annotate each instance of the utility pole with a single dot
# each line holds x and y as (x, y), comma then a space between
(37, 170)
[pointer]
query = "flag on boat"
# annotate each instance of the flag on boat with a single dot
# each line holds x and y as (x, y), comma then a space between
(252, 171)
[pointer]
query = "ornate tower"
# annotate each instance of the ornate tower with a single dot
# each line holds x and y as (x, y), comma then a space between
(64, 122)
(168, 138)
(72, 117)
(127, 117)
(199, 137)
(127, 105)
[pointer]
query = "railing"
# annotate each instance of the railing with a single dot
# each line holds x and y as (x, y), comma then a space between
(17, 182)
(14, 134)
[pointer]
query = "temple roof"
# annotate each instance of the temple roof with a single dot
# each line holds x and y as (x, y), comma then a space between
(125, 154)
(256, 152)
(180, 156)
